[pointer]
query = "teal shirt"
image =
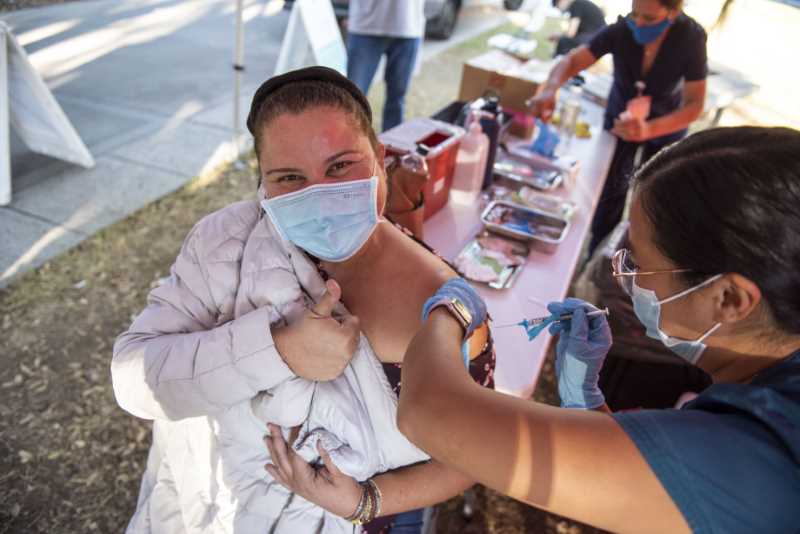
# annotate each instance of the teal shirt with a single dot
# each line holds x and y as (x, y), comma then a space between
(730, 459)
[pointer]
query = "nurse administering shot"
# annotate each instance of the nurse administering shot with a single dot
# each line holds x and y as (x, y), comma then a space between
(712, 273)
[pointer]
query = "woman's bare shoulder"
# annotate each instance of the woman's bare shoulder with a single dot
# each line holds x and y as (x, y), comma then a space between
(419, 258)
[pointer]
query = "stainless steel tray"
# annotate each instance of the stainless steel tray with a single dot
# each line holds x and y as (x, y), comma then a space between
(519, 193)
(512, 168)
(523, 223)
(492, 260)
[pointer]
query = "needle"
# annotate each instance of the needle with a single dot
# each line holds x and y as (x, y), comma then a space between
(539, 320)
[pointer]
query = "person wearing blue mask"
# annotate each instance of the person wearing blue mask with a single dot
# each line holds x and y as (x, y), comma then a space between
(585, 19)
(288, 314)
(712, 272)
(658, 90)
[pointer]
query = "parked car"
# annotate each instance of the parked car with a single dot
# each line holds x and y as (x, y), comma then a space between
(441, 15)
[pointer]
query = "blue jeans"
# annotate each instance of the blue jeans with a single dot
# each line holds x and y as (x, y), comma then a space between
(363, 55)
(408, 522)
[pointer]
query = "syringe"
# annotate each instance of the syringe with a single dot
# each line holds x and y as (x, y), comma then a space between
(536, 321)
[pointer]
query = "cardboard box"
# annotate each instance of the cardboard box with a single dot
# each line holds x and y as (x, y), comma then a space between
(514, 80)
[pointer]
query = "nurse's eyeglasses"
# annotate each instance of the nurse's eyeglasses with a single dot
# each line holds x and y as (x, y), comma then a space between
(624, 269)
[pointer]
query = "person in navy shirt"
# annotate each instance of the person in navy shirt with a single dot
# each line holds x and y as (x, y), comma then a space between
(660, 54)
(585, 19)
(712, 272)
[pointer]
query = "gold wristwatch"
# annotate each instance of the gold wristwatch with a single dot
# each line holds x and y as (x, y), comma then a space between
(459, 311)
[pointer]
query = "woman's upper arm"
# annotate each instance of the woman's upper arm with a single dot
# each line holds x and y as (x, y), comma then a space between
(598, 475)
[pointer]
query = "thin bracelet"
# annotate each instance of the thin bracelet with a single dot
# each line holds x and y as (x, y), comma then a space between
(366, 513)
(378, 497)
(354, 517)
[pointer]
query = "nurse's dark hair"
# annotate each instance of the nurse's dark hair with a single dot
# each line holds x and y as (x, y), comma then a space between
(671, 4)
(727, 200)
(300, 96)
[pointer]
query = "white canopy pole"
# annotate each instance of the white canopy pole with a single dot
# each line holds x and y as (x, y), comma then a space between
(238, 68)
(5, 144)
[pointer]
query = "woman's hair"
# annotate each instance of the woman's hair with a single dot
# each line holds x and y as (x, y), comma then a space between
(671, 4)
(727, 200)
(300, 96)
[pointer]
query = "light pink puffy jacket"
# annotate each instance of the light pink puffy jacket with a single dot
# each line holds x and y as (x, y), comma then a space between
(200, 361)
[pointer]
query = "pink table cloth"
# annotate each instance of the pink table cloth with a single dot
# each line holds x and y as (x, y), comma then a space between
(546, 277)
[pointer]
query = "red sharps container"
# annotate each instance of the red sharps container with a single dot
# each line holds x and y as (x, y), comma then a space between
(438, 142)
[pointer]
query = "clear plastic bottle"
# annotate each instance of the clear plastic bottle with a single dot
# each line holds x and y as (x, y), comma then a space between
(470, 164)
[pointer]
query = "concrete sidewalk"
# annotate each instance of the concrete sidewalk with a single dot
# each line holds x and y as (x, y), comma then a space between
(148, 84)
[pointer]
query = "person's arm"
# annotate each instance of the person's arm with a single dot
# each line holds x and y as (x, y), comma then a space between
(572, 28)
(403, 489)
(694, 97)
(579, 59)
(421, 485)
(175, 362)
(576, 463)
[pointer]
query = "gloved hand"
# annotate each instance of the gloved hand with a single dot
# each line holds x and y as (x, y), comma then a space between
(581, 349)
(458, 288)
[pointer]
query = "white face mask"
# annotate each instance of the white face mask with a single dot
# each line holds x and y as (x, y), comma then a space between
(330, 221)
(648, 309)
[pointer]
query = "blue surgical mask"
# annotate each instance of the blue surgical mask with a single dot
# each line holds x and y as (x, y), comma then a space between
(647, 34)
(329, 221)
(648, 309)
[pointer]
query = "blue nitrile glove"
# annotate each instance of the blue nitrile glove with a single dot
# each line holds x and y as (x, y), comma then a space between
(581, 349)
(459, 288)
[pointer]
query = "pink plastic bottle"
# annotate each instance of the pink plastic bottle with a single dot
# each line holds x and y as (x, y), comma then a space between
(470, 164)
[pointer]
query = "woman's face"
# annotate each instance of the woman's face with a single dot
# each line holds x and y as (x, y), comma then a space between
(319, 146)
(648, 12)
(687, 317)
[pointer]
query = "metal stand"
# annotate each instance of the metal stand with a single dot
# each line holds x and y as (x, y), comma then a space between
(238, 68)
(27, 105)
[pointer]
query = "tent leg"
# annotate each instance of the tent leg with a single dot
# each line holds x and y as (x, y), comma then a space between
(5, 144)
(238, 68)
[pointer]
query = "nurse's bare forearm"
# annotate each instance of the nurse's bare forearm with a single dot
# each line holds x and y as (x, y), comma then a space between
(676, 121)
(694, 97)
(419, 486)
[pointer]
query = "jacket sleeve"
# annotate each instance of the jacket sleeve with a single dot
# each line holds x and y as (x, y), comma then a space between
(176, 362)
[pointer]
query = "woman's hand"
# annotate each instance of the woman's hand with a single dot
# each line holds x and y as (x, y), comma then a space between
(631, 129)
(325, 486)
(543, 105)
(318, 347)
(581, 350)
